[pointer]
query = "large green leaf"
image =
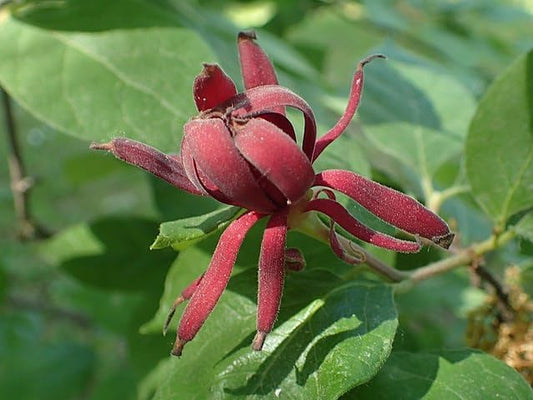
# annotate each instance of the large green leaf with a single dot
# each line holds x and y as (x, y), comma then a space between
(97, 85)
(185, 232)
(111, 253)
(499, 148)
(461, 374)
(422, 150)
(416, 120)
(337, 342)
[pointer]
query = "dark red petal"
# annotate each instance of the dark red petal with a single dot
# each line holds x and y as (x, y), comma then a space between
(271, 276)
(198, 177)
(280, 121)
(214, 280)
(214, 152)
(186, 294)
(294, 259)
(189, 166)
(341, 216)
(277, 157)
(341, 251)
(351, 108)
(168, 168)
(391, 206)
(266, 98)
(256, 68)
(212, 87)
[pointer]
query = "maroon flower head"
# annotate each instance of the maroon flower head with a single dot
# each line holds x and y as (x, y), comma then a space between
(241, 149)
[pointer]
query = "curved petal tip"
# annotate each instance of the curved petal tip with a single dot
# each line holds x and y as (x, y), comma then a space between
(247, 35)
(178, 347)
(444, 241)
(259, 340)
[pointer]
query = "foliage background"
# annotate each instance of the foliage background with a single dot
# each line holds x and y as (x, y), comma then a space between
(77, 309)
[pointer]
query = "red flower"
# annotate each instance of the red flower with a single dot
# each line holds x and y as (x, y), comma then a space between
(242, 150)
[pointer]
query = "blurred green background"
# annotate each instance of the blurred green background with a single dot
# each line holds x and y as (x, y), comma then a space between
(65, 334)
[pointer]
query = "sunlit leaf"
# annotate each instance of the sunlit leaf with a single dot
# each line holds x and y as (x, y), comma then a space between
(97, 85)
(499, 148)
(185, 232)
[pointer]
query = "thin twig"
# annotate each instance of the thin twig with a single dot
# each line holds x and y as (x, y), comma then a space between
(462, 258)
(21, 184)
(507, 310)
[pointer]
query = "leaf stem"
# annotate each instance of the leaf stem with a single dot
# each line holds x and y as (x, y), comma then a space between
(405, 280)
(435, 199)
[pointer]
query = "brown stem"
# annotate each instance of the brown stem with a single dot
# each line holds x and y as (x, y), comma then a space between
(21, 184)
(462, 258)
(501, 294)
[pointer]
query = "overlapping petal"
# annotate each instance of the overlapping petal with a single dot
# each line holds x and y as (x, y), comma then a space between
(277, 157)
(263, 98)
(391, 206)
(214, 153)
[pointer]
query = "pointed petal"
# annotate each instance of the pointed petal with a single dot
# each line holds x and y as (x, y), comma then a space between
(351, 108)
(256, 68)
(294, 259)
(341, 216)
(166, 167)
(340, 251)
(391, 206)
(271, 276)
(186, 294)
(214, 280)
(264, 98)
(212, 87)
(276, 156)
(215, 154)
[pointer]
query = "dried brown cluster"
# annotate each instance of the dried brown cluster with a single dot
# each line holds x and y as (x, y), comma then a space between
(508, 336)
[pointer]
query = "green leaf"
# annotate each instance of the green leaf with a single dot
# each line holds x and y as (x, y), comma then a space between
(434, 314)
(416, 120)
(98, 85)
(185, 232)
(420, 149)
(337, 342)
(111, 253)
(459, 374)
(499, 147)
(397, 91)
(34, 367)
(524, 227)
